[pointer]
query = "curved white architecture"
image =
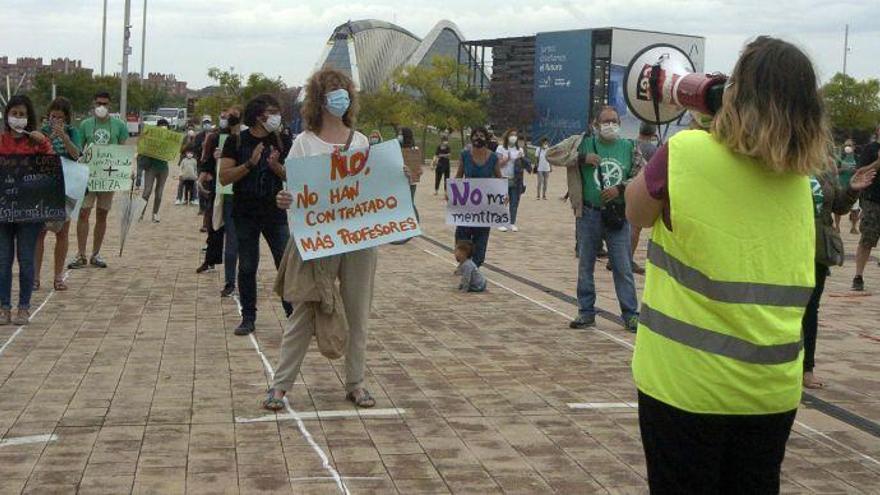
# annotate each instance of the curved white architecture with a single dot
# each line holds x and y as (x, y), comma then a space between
(371, 50)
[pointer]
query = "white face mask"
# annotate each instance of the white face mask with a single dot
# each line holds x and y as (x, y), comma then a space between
(609, 130)
(273, 122)
(101, 112)
(224, 123)
(18, 124)
(848, 150)
(512, 140)
(189, 155)
(190, 133)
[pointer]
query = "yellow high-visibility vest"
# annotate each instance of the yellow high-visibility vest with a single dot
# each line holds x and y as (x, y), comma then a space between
(726, 289)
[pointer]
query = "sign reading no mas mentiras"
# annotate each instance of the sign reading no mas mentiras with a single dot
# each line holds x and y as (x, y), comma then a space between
(31, 189)
(477, 203)
(109, 167)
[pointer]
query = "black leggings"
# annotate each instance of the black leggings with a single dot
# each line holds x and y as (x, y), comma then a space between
(441, 172)
(810, 323)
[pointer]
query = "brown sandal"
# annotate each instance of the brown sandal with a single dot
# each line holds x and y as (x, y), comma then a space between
(361, 398)
(59, 284)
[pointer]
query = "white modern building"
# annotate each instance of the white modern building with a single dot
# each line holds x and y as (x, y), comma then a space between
(371, 50)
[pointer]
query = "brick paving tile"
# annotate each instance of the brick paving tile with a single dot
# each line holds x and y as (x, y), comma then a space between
(136, 372)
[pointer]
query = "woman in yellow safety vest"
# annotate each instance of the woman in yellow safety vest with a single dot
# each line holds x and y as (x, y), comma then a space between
(730, 270)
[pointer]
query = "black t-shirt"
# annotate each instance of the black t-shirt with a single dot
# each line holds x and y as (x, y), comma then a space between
(443, 161)
(869, 156)
(255, 192)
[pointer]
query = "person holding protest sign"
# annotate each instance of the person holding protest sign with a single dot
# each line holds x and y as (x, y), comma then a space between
(98, 129)
(478, 163)
(254, 165)
(155, 176)
(329, 113)
(66, 142)
(19, 238)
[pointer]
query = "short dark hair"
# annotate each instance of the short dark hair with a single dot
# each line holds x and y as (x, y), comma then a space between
(162, 122)
(483, 130)
(103, 94)
(256, 106)
(466, 248)
(544, 140)
(647, 129)
(17, 101)
(62, 105)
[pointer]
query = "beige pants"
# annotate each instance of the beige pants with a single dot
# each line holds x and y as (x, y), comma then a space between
(356, 274)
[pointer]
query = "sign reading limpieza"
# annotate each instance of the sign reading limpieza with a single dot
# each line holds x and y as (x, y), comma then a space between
(109, 167)
(31, 189)
(350, 201)
(477, 203)
(160, 143)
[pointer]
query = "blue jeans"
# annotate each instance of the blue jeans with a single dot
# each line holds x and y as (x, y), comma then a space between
(248, 228)
(18, 240)
(514, 192)
(479, 236)
(230, 255)
(590, 233)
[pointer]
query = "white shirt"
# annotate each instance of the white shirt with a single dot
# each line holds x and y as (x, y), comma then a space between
(512, 155)
(543, 164)
(309, 144)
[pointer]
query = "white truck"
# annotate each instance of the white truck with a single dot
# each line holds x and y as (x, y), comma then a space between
(176, 117)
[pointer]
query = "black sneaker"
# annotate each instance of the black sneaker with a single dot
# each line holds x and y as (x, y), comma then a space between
(204, 267)
(858, 283)
(227, 291)
(583, 321)
(245, 328)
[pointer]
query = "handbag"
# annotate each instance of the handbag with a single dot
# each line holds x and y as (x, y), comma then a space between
(829, 246)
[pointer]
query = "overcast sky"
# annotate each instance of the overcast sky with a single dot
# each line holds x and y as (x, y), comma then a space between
(285, 37)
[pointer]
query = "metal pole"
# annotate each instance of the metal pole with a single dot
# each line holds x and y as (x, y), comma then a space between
(126, 51)
(144, 41)
(845, 48)
(104, 38)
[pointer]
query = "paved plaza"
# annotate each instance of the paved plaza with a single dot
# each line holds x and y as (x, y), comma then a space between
(132, 381)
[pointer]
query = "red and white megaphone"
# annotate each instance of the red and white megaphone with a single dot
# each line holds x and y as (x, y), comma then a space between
(660, 85)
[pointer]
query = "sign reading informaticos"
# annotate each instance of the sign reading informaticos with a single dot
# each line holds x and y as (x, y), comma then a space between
(31, 189)
(477, 203)
(350, 201)
(109, 167)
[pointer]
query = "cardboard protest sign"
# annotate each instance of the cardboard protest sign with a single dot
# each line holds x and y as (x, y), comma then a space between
(414, 161)
(227, 189)
(158, 142)
(477, 203)
(109, 167)
(350, 201)
(31, 189)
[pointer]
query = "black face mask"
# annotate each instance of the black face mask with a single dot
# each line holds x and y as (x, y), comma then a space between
(479, 143)
(233, 120)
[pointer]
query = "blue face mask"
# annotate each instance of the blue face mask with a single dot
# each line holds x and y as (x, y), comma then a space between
(338, 102)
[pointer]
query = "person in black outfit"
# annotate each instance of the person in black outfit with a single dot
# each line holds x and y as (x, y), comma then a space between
(254, 164)
(869, 202)
(441, 169)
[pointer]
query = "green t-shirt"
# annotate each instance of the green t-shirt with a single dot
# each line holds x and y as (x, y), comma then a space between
(111, 131)
(818, 195)
(616, 166)
(846, 167)
(58, 144)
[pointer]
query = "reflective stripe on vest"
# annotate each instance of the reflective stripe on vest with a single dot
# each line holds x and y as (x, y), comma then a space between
(717, 343)
(730, 292)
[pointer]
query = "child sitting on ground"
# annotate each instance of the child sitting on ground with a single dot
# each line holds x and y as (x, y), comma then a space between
(471, 278)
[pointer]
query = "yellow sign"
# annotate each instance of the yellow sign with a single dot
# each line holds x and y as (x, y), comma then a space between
(160, 143)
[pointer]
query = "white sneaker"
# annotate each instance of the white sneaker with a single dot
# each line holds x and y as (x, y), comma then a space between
(502, 229)
(155, 217)
(194, 202)
(513, 228)
(178, 202)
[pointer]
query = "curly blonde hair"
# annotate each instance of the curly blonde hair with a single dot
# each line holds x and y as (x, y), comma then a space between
(772, 110)
(321, 83)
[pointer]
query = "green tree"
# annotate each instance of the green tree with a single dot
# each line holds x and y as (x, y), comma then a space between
(853, 106)
(258, 83)
(384, 108)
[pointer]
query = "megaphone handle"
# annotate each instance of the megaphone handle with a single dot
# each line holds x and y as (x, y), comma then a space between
(654, 81)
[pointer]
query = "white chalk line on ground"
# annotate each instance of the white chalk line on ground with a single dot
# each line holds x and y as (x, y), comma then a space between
(325, 461)
(339, 414)
(325, 478)
(22, 327)
(631, 346)
(602, 405)
(27, 440)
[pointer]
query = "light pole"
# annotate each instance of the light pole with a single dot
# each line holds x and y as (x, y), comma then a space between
(126, 51)
(144, 41)
(104, 38)
(845, 48)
